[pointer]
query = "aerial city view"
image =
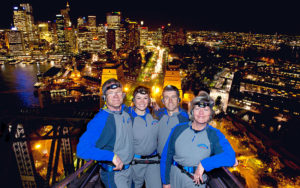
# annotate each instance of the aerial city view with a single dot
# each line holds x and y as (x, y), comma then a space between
(55, 57)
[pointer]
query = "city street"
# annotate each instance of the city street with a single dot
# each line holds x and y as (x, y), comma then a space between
(251, 167)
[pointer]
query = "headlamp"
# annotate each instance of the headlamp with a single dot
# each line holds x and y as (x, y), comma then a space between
(112, 86)
(202, 104)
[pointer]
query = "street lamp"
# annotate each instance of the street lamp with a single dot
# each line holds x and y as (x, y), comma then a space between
(155, 90)
(37, 146)
(126, 88)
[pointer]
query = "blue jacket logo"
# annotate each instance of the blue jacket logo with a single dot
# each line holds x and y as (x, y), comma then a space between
(154, 122)
(202, 146)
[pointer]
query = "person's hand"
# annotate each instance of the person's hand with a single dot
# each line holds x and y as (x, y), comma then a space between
(198, 174)
(167, 186)
(236, 163)
(117, 162)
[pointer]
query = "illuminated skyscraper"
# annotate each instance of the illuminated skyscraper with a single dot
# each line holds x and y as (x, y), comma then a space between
(24, 22)
(65, 13)
(70, 40)
(19, 19)
(83, 39)
(15, 40)
(101, 36)
(29, 21)
(143, 36)
(133, 35)
(155, 37)
(60, 26)
(44, 32)
(113, 20)
(92, 23)
(81, 22)
(3, 45)
(91, 40)
(159, 36)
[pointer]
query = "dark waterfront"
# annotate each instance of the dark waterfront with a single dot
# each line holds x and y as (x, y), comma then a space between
(16, 91)
(17, 85)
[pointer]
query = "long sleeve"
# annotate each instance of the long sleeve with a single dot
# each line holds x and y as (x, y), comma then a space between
(167, 158)
(223, 154)
(88, 148)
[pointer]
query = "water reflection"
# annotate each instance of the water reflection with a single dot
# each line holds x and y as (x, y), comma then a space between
(17, 84)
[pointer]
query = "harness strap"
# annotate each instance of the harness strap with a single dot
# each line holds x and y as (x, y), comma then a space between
(109, 168)
(189, 171)
(154, 154)
(144, 162)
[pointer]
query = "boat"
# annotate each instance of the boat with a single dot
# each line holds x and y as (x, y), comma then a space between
(14, 62)
(38, 85)
(25, 62)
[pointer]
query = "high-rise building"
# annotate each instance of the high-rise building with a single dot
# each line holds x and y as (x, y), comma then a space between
(70, 40)
(44, 32)
(45, 37)
(3, 41)
(113, 20)
(19, 19)
(159, 36)
(24, 22)
(29, 21)
(155, 37)
(65, 13)
(81, 22)
(143, 36)
(101, 36)
(92, 40)
(15, 41)
(82, 39)
(133, 35)
(111, 39)
(92, 23)
(60, 31)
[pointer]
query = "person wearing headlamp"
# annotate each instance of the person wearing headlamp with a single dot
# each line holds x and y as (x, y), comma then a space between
(194, 148)
(145, 165)
(170, 115)
(109, 138)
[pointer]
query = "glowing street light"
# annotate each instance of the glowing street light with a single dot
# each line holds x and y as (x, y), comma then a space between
(37, 146)
(155, 90)
(126, 89)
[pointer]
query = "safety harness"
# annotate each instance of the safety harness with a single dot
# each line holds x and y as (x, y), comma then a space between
(147, 157)
(189, 171)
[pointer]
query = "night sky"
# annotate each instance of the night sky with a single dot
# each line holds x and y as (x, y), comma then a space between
(244, 15)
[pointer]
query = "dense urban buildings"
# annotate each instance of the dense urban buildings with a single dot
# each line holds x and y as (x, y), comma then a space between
(253, 78)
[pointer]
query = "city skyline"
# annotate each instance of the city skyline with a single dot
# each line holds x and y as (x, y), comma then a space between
(251, 16)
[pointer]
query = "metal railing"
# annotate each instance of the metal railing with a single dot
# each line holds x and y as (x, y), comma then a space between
(219, 178)
(223, 178)
(81, 177)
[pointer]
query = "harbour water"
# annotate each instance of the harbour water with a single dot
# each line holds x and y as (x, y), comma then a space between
(17, 85)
